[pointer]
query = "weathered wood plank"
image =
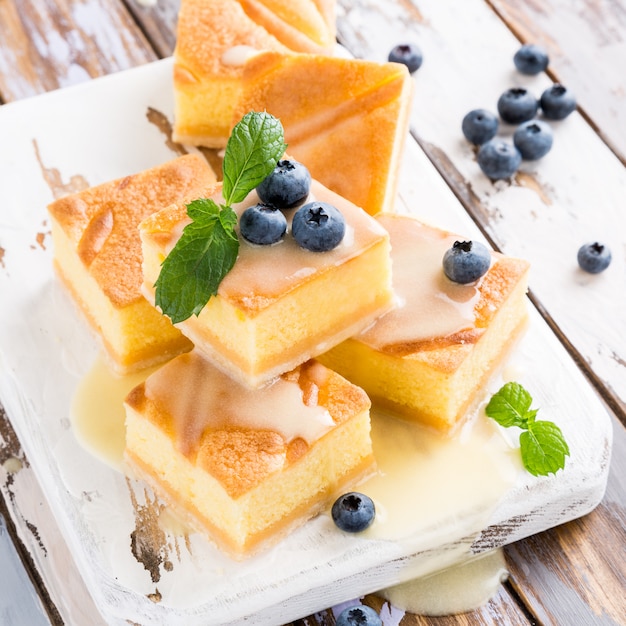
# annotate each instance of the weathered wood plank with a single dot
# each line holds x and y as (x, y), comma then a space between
(589, 551)
(550, 207)
(48, 45)
(543, 214)
(161, 47)
(64, 593)
(158, 22)
(598, 79)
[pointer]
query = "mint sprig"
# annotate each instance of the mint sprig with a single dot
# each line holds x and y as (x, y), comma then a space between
(207, 249)
(542, 445)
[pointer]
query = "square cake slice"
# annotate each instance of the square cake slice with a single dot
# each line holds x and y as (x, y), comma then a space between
(213, 39)
(247, 466)
(97, 254)
(428, 357)
(280, 304)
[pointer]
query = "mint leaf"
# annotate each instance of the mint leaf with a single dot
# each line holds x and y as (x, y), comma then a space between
(194, 269)
(208, 247)
(253, 149)
(510, 406)
(543, 448)
(542, 445)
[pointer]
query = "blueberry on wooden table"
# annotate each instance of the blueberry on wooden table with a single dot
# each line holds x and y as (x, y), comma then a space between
(479, 126)
(517, 105)
(287, 186)
(359, 616)
(594, 257)
(498, 159)
(408, 54)
(353, 512)
(557, 102)
(262, 225)
(466, 261)
(531, 59)
(533, 139)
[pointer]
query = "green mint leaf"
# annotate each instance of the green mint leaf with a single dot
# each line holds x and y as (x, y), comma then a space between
(543, 448)
(510, 406)
(194, 269)
(208, 247)
(253, 149)
(542, 445)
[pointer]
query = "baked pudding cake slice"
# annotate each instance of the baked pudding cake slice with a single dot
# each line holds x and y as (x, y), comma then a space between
(280, 304)
(427, 358)
(247, 466)
(97, 254)
(346, 119)
(213, 39)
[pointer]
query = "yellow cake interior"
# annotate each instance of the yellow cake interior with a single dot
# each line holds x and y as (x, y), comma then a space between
(213, 40)
(427, 358)
(281, 305)
(245, 465)
(97, 253)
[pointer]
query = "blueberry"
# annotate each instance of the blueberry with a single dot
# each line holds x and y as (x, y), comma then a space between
(517, 105)
(262, 224)
(318, 226)
(359, 616)
(594, 257)
(408, 54)
(353, 512)
(557, 102)
(479, 126)
(498, 159)
(533, 139)
(531, 59)
(466, 261)
(287, 186)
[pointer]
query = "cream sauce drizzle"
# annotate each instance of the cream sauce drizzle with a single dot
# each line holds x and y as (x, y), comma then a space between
(236, 56)
(428, 305)
(424, 479)
(266, 272)
(97, 411)
(457, 589)
(199, 395)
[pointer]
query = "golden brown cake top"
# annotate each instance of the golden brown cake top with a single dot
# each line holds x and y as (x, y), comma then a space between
(432, 312)
(208, 31)
(262, 274)
(342, 87)
(102, 222)
(238, 435)
(360, 108)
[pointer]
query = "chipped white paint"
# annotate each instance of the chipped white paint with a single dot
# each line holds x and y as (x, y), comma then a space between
(573, 195)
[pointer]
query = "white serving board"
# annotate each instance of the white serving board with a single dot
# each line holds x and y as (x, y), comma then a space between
(99, 131)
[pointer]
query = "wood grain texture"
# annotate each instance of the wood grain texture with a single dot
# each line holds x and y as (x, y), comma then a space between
(576, 573)
(49, 562)
(598, 79)
(543, 567)
(502, 609)
(550, 207)
(49, 45)
(158, 21)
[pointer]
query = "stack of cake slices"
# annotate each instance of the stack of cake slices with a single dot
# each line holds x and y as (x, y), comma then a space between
(235, 56)
(260, 415)
(248, 434)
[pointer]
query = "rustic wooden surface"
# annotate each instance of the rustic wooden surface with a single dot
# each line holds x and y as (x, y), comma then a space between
(573, 574)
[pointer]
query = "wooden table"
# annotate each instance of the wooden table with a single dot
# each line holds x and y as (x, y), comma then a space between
(569, 575)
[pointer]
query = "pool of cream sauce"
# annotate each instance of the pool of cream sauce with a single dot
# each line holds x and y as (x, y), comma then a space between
(423, 480)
